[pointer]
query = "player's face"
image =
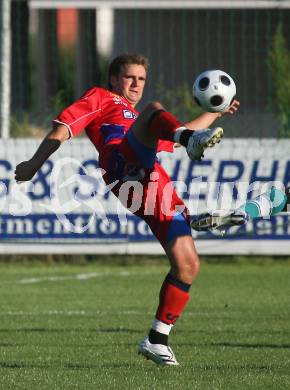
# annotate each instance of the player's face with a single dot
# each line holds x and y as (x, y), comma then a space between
(130, 83)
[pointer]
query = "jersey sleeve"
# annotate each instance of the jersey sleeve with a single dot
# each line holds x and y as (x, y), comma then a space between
(165, 146)
(79, 114)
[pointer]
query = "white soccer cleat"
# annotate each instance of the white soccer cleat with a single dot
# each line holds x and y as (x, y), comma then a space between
(158, 353)
(211, 221)
(202, 139)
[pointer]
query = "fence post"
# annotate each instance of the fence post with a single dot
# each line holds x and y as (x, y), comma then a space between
(5, 65)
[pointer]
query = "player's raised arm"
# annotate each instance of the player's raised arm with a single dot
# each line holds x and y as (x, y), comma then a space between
(27, 169)
(206, 119)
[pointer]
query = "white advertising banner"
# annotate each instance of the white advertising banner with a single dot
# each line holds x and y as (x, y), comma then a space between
(67, 203)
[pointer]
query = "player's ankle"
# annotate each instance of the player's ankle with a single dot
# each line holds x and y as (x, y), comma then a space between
(182, 135)
(159, 332)
(157, 337)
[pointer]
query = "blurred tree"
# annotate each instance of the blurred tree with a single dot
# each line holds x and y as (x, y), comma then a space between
(179, 101)
(87, 64)
(47, 59)
(21, 88)
(279, 64)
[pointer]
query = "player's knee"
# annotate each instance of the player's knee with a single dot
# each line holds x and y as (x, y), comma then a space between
(153, 106)
(187, 268)
(193, 266)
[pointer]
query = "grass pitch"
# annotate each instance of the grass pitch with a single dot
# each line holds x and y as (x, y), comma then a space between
(77, 327)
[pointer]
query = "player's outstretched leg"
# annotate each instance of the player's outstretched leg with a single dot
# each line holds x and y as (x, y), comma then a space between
(217, 220)
(286, 208)
(155, 124)
(269, 203)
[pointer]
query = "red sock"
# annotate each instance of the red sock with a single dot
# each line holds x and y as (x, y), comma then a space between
(172, 300)
(164, 124)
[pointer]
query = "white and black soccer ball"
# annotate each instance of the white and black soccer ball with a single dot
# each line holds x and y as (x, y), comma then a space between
(214, 90)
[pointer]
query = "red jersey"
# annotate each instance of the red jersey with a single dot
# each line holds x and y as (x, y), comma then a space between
(105, 116)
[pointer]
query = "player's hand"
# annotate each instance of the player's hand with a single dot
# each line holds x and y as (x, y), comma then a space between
(232, 109)
(25, 171)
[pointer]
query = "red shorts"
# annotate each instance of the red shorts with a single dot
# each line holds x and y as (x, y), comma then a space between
(145, 188)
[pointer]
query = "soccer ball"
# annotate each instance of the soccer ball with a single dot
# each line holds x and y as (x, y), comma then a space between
(214, 90)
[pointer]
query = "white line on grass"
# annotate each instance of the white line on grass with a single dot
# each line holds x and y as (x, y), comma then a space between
(90, 313)
(82, 276)
(60, 278)
(73, 313)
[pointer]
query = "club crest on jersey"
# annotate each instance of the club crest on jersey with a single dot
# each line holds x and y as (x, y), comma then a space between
(129, 114)
(118, 100)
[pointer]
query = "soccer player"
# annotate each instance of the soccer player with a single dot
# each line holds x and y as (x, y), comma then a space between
(127, 144)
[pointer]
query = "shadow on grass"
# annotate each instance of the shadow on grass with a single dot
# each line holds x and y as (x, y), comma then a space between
(236, 345)
(254, 345)
(8, 345)
(73, 366)
(78, 330)
(131, 365)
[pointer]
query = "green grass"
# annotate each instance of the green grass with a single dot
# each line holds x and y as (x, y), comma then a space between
(59, 331)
